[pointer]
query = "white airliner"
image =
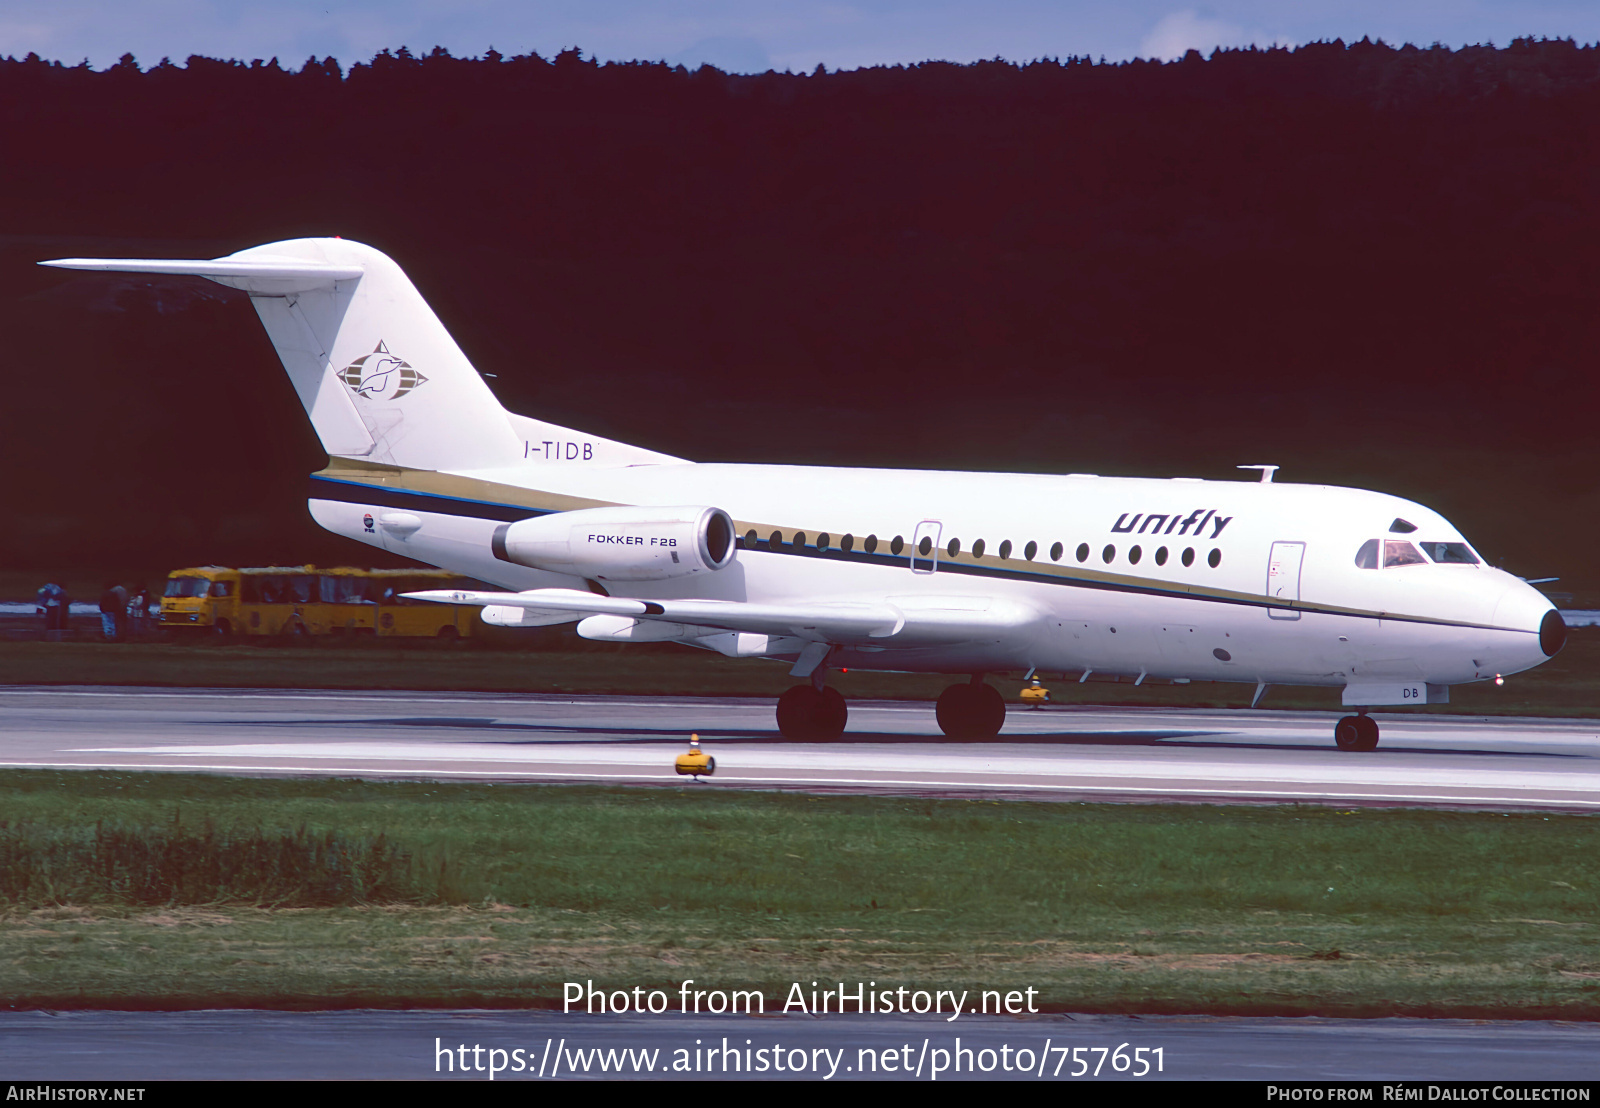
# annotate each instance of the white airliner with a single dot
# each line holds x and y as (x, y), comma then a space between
(1162, 580)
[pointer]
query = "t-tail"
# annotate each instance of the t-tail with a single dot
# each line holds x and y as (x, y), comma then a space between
(380, 377)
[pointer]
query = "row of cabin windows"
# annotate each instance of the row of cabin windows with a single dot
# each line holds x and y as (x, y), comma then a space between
(775, 541)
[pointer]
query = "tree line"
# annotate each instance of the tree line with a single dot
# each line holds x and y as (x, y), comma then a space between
(1371, 264)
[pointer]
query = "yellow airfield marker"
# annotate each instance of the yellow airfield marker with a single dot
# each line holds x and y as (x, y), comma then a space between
(694, 761)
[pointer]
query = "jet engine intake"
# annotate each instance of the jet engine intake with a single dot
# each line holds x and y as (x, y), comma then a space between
(620, 544)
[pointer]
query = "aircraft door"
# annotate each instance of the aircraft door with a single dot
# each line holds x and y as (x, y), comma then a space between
(925, 546)
(1283, 576)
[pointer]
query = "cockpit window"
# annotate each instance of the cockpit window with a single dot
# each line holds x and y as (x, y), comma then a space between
(1367, 556)
(1452, 553)
(1402, 527)
(1398, 552)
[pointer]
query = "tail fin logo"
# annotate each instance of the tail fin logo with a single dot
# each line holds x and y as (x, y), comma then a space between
(380, 376)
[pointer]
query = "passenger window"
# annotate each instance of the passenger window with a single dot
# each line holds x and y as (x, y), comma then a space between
(1367, 556)
(750, 539)
(977, 549)
(847, 543)
(775, 540)
(1188, 556)
(896, 545)
(925, 547)
(1214, 559)
(799, 540)
(1450, 553)
(871, 544)
(1134, 554)
(822, 542)
(953, 548)
(1030, 550)
(1056, 551)
(1161, 556)
(1108, 553)
(1005, 549)
(1398, 552)
(1083, 552)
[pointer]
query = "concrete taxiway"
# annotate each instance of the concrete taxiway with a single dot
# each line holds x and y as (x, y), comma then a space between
(143, 1046)
(1076, 753)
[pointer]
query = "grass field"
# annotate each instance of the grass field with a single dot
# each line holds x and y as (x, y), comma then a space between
(1567, 685)
(115, 895)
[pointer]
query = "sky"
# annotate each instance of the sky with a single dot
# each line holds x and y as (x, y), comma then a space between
(747, 36)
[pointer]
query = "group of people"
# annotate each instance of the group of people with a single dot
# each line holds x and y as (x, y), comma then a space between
(122, 612)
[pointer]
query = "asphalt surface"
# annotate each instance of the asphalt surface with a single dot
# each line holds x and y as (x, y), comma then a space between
(1213, 756)
(139, 1046)
(1071, 753)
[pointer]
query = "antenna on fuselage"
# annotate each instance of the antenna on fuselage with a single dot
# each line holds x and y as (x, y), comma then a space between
(1266, 472)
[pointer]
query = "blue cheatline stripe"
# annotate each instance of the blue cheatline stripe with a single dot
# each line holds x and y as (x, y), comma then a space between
(353, 492)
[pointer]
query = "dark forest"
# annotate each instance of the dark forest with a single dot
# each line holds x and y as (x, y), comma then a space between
(1371, 265)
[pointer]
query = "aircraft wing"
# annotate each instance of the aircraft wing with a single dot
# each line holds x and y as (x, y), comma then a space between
(894, 621)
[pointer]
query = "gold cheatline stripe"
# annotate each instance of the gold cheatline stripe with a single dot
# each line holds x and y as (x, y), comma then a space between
(437, 483)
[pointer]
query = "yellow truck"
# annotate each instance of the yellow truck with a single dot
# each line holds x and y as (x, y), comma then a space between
(300, 601)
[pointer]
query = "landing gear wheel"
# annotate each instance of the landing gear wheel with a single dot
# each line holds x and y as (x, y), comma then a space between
(1369, 733)
(834, 714)
(1359, 733)
(806, 714)
(973, 712)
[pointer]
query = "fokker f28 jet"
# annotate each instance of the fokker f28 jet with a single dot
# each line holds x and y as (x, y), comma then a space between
(1178, 580)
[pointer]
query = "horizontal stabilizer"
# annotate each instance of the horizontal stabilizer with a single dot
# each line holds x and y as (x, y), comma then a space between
(264, 276)
(909, 621)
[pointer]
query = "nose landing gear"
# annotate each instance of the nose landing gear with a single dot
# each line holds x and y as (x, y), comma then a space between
(1356, 733)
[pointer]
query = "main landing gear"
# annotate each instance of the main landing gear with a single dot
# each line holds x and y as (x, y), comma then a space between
(1356, 733)
(974, 711)
(811, 713)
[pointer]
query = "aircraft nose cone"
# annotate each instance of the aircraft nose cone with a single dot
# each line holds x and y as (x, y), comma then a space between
(1552, 633)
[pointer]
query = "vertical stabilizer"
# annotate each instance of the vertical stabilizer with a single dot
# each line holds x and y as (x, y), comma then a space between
(377, 372)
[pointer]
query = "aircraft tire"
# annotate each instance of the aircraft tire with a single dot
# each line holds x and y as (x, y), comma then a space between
(834, 714)
(952, 713)
(989, 714)
(808, 715)
(1368, 728)
(1358, 733)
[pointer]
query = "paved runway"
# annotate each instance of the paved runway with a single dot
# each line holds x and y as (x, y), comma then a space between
(143, 1046)
(891, 747)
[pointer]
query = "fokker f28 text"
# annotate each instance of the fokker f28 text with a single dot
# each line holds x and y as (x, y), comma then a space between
(1263, 582)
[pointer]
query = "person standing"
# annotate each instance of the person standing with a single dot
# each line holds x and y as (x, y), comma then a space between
(53, 604)
(113, 611)
(139, 611)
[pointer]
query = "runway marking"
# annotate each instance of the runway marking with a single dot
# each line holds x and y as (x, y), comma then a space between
(1090, 752)
(985, 764)
(962, 786)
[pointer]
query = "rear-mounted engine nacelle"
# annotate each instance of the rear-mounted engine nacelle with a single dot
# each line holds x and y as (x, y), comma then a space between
(620, 544)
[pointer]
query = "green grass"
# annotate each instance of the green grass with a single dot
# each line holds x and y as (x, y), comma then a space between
(509, 891)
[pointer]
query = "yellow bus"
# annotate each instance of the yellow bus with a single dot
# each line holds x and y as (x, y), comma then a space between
(300, 601)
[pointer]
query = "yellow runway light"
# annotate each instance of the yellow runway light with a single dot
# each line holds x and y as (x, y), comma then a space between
(694, 761)
(1035, 694)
